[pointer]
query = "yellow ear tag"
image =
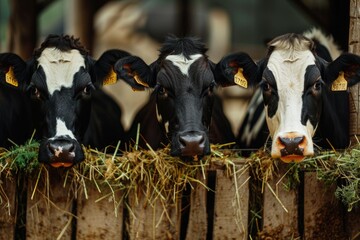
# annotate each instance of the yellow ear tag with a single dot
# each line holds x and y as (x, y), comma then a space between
(340, 84)
(139, 81)
(10, 78)
(111, 78)
(239, 79)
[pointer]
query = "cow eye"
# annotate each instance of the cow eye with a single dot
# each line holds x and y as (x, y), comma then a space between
(161, 91)
(265, 86)
(317, 86)
(35, 93)
(87, 90)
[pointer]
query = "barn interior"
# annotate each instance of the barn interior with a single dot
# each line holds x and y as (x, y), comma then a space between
(139, 27)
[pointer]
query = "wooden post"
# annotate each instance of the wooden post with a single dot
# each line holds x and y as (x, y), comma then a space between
(99, 214)
(354, 47)
(323, 213)
(231, 204)
(7, 208)
(23, 27)
(151, 219)
(197, 227)
(280, 217)
(49, 206)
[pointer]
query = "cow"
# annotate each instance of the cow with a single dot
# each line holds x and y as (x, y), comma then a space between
(183, 83)
(302, 93)
(61, 81)
(254, 133)
(14, 108)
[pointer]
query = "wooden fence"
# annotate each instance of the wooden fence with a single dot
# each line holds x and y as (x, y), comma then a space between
(56, 207)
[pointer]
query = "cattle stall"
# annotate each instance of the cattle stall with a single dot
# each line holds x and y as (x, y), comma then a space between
(220, 197)
(224, 197)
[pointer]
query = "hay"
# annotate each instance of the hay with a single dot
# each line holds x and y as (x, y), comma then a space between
(154, 174)
(157, 175)
(332, 167)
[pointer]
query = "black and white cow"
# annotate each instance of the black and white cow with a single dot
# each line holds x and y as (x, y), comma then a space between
(302, 93)
(254, 133)
(14, 109)
(183, 97)
(62, 83)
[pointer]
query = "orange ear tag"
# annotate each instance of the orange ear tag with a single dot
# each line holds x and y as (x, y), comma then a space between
(239, 79)
(111, 78)
(340, 84)
(10, 78)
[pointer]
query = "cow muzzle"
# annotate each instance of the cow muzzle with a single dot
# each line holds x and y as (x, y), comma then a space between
(193, 144)
(291, 147)
(61, 152)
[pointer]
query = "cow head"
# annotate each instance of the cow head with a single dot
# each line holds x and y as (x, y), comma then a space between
(295, 83)
(183, 80)
(59, 79)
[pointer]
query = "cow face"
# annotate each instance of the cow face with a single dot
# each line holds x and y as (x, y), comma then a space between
(295, 83)
(60, 79)
(183, 81)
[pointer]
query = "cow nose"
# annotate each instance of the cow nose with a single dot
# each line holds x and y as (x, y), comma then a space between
(62, 153)
(291, 145)
(192, 143)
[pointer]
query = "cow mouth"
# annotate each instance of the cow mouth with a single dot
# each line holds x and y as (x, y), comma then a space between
(61, 164)
(292, 158)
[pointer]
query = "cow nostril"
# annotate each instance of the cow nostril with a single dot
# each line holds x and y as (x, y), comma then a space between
(71, 147)
(51, 148)
(182, 141)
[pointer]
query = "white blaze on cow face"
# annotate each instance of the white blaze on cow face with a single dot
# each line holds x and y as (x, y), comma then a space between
(60, 67)
(288, 67)
(182, 62)
(62, 130)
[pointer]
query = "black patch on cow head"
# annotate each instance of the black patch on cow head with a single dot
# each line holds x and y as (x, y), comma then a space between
(269, 91)
(312, 96)
(186, 46)
(61, 42)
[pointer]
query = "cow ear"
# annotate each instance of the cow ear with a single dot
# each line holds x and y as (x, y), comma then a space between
(104, 66)
(12, 71)
(135, 72)
(343, 72)
(236, 69)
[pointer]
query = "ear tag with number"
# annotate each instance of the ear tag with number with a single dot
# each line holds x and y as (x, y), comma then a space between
(139, 81)
(111, 78)
(239, 79)
(10, 78)
(340, 84)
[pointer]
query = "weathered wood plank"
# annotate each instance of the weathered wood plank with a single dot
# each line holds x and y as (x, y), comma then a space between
(280, 216)
(323, 213)
(152, 220)
(7, 208)
(49, 206)
(100, 215)
(353, 224)
(231, 204)
(197, 226)
(354, 47)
